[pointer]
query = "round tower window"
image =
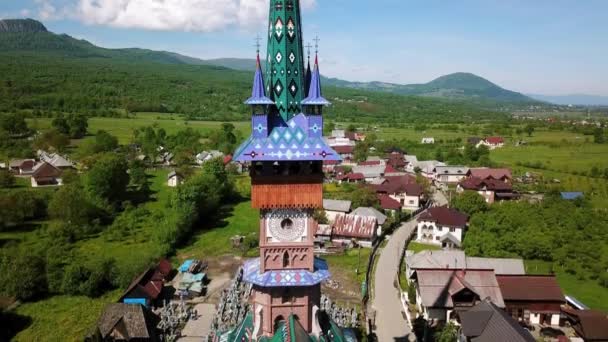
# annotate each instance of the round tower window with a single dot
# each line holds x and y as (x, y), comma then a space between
(287, 224)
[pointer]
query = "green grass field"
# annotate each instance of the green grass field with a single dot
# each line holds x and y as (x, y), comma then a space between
(240, 219)
(123, 128)
(419, 247)
(348, 262)
(62, 318)
(587, 291)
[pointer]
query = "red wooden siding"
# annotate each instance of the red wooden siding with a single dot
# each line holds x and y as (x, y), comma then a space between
(274, 196)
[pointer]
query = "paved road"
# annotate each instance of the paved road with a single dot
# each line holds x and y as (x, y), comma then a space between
(390, 322)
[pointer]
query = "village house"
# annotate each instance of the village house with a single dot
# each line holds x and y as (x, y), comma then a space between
(396, 160)
(590, 325)
(441, 226)
(329, 167)
(457, 260)
(402, 189)
(346, 152)
(174, 179)
(205, 156)
(56, 160)
(351, 178)
(442, 294)
(534, 299)
(371, 212)
(361, 230)
(427, 168)
(339, 137)
(45, 174)
(148, 286)
(333, 208)
(484, 173)
(125, 322)
(388, 204)
(486, 322)
(492, 142)
(323, 234)
(22, 166)
(450, 174)
(428, 140)
(410, 163)
(370, 169)
(492, 190)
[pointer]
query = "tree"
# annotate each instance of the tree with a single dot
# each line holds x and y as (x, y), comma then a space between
(51, 140)
(330, 126)
(364, 196)
(529, 129)
(351, 128)
(320, 216)
(469, 202)
(108, 178)
(598, 135)
(411, 294)
(7, 179)
(14, 124)
(78, 125)
(31, 282)
(61, 124)
(105, 142)
(71, 205)
(137, 175)
(449, 333)
(361, 152)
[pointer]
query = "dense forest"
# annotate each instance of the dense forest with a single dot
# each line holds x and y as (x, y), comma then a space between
(570, 235)
(37, 83)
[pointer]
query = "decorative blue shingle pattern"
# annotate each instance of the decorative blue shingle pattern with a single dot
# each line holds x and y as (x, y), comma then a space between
(280, 278)
(297, 141)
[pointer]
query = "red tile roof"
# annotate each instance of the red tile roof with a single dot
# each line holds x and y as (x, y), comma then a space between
(475, 183)
(591, 325)
(353, 226)
(45, 171)
(444, 216)
(398, 185)
(227, 159)
(27, 165)
(485, 173)
(389, 169)
(344, 149)
(352, 177)
(369, 163)
(495, 140)
(388, 203)
(530, 288)
(331, 162)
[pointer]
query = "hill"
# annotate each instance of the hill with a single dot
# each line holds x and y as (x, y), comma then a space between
(41, 71)
(457, 86)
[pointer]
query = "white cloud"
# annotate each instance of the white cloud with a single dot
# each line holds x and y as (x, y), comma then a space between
(166, 15)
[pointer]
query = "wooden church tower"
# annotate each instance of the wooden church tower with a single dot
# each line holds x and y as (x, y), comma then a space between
(286, 151)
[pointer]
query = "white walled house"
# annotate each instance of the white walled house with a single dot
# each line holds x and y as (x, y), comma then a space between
(450, 174)
(428, 140)
(434, 223)
(174, 179)
(333, 208)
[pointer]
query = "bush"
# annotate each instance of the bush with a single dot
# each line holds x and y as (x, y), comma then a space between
(23, 275)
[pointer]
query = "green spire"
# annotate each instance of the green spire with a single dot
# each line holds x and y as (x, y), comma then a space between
(285, 61)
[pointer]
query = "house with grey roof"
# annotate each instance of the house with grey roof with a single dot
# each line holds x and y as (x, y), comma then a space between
(58, 161)
(450, 174)
(442, 293)
(370, 212)
(486, 322)
(126, 322)
(457, 259)
(334, 207)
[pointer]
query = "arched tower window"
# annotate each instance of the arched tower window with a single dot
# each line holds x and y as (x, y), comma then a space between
(286, 259)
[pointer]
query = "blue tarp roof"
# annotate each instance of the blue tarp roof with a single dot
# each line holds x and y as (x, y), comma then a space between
(186, 265)
(571, 195)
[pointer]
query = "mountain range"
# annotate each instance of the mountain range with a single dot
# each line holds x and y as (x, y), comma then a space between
(27, 35)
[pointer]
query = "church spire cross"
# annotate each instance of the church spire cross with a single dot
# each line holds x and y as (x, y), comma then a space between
(258, 44)
(317, 40)
(308, 47)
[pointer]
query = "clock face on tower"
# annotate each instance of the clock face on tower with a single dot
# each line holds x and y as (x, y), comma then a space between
(284, 225)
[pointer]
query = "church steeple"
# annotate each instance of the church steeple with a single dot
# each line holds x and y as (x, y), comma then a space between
(258, 95)
(308, 72)
(315, 96)
(285, 63)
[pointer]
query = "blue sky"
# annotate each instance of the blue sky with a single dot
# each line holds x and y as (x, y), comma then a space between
(532, 46)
